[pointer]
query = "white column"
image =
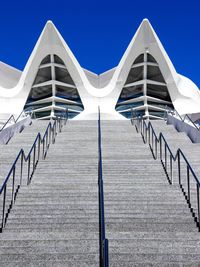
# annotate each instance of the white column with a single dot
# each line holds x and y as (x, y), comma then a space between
(145, 84)
(53, 77)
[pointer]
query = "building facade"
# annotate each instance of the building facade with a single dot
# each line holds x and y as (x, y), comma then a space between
(145, 82)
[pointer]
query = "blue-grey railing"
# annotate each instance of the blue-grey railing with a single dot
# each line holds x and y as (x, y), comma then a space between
(24, 167)
(103, 241)
(186, 118)
(173, 164)
(12, 120)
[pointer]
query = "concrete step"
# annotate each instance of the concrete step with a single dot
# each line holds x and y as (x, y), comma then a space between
(141, 205)
(55, 220)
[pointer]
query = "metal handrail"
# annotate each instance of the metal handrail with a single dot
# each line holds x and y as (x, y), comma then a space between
(103, 241)
(174, 112)
(189, 186)
(31, 161)
(12, 118)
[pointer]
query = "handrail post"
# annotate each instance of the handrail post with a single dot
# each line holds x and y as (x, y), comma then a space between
(3, 211)
(179, 169)
(198, 207)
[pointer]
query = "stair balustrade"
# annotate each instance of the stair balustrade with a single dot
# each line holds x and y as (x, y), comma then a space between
(172, 163)
(186, 118)
(11, 120)
(24, 167)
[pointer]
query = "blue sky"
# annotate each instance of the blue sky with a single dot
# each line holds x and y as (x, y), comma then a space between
(98, 32)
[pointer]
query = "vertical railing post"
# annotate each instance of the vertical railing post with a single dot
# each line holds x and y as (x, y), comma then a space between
(21, 168)
(188, 185)
(29, 163)
(165, 156)
(179, 169)
(13, 186)
(198, 206)
(3, 210)
(43, 145)
(161, 148)
(33, 159)
(39, 142)
(171, 169)
(156, 147)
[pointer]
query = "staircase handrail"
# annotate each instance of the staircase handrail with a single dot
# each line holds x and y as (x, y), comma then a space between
(103, 241)
(12, 118)
(167, 158)
(174, 112)
(32, 160)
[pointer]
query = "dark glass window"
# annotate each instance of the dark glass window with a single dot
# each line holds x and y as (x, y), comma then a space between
(67, 93)
(150, 58)
(127, 106)
(131, 92)
(135, 74)
(43, 75)
(139, 59)
(42, 114)
(158, 91)
(58, 60)
(39, 93)
(157, 104)
(46, 60)
(62, 75)
(154, 74)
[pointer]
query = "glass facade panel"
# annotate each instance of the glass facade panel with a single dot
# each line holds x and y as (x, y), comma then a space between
(127, 106)
(135, 74)
(42, 114)
(131, 92)
(62, 75)
(58, 60)
(46, 60)
(67, 93)
(139, 59)
(159, 105)
(158, 91)
(64, 92)
(154, 74)
(43, 75)
(69, 106)
(150, 58)
(39, 93)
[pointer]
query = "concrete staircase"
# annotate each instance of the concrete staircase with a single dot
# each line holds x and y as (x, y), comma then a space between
(55, 219)
(148, 222)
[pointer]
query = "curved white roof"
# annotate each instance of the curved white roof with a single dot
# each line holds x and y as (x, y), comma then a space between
(96, 90)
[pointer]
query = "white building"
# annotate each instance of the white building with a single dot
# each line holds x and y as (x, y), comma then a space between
(144, 80)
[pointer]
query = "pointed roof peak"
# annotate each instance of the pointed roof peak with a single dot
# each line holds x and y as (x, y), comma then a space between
(145, 20)
(49, 22)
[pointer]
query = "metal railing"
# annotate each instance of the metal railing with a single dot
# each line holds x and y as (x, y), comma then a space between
(176, 166)
(32, 114)
(103, 241)
(24, 167)
(186, 118)
(11, 120)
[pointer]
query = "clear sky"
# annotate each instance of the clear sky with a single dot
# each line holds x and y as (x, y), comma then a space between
(98, 32)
